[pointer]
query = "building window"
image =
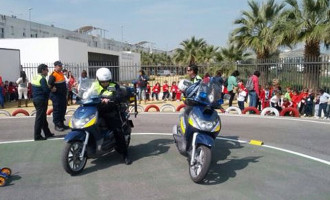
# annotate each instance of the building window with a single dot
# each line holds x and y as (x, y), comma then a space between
(12, 30)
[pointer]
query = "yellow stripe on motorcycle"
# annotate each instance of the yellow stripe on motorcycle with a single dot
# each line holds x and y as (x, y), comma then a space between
(183, 129)
(217, 129)
(90, 123)
(70, 123)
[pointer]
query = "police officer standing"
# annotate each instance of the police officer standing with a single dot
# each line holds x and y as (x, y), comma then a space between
(57, 84)
(40, 93)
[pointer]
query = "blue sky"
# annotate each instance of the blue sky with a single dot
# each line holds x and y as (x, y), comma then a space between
(164, 22)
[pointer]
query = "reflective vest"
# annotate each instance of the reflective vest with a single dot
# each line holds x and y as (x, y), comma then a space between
(59, 77)
(196, 79)
(36, 80)
(102, 91)
(39, 91)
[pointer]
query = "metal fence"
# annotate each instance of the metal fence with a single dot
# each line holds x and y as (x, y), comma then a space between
(294, 72)
(119, 73)
(297, 73)
(167, 73)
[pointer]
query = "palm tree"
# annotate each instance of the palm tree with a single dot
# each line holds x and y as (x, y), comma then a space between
(256, 29)
(189, 52)
(207, 55)
(257, 32)
(310, 23)
(226, 59)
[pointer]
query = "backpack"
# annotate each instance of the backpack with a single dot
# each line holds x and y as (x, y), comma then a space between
(249, 84)
(226, 83)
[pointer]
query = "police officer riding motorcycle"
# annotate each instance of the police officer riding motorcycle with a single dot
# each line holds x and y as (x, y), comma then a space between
(100, 124)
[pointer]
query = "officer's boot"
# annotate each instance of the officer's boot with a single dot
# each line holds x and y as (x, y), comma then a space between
(19, 101)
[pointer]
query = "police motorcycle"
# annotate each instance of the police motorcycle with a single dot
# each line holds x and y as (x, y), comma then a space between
(90, 137)
(199, 125)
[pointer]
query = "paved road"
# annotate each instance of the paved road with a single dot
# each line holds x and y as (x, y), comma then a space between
(238, 171)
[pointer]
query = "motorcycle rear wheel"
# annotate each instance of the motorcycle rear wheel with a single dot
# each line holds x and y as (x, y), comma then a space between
(202, 161)
(71, 161)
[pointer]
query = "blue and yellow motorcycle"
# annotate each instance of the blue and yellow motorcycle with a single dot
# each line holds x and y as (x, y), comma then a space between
(199, 125)
(90, 137)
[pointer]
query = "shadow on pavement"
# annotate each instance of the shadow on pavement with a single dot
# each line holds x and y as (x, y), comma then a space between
(13, 178)
(221, 172)
(152, 148)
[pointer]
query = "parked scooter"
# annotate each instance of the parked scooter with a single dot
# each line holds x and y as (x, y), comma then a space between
(90, 136)
(199, 125)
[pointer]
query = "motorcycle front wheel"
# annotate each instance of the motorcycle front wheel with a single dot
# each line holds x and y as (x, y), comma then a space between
(202, 161)
(71, 161)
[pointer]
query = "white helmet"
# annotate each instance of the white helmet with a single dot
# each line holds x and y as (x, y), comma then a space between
(184, 84)
(103, 74)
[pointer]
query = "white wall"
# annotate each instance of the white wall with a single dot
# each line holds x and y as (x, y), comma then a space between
(34, 50)
(10, 64)
(72, 51)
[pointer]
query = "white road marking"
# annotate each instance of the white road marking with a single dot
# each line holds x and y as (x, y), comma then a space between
(219, 138)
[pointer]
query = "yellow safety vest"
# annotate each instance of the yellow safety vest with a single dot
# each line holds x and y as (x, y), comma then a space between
(96, 86)
(36, 80)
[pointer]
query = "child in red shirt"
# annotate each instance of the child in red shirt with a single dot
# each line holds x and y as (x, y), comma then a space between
(155, 91)
(166, 93)
(148, 92)
(295, 98)
(174, 90)
(12, 91)
(286, 103)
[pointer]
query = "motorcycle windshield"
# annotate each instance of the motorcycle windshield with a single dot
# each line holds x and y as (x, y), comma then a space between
(209, 93)
(86, 91)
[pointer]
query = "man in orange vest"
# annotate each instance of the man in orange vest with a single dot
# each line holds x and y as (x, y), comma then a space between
(58, 93)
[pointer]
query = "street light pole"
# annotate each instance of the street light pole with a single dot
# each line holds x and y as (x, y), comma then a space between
(30, 20)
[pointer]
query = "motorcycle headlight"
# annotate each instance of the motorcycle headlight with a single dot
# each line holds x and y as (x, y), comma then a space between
(211, 98)
(83, 123)
(203, 125)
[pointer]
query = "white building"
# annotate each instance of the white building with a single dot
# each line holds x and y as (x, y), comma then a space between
(34, 51)
(40, 43)
(12, 27)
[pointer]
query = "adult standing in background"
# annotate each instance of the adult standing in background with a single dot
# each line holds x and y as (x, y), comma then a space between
(41, 92)
(22, 83)
(142, 86)
(71, 84)
(254, 94)
(192, 72)
(58, 96)
(232, 86)
(82, 80)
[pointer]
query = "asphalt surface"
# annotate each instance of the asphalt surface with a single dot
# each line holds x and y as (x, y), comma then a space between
(238, 171)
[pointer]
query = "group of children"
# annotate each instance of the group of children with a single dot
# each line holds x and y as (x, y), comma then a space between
(168, 92)
(9, 92)
(308, 102)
